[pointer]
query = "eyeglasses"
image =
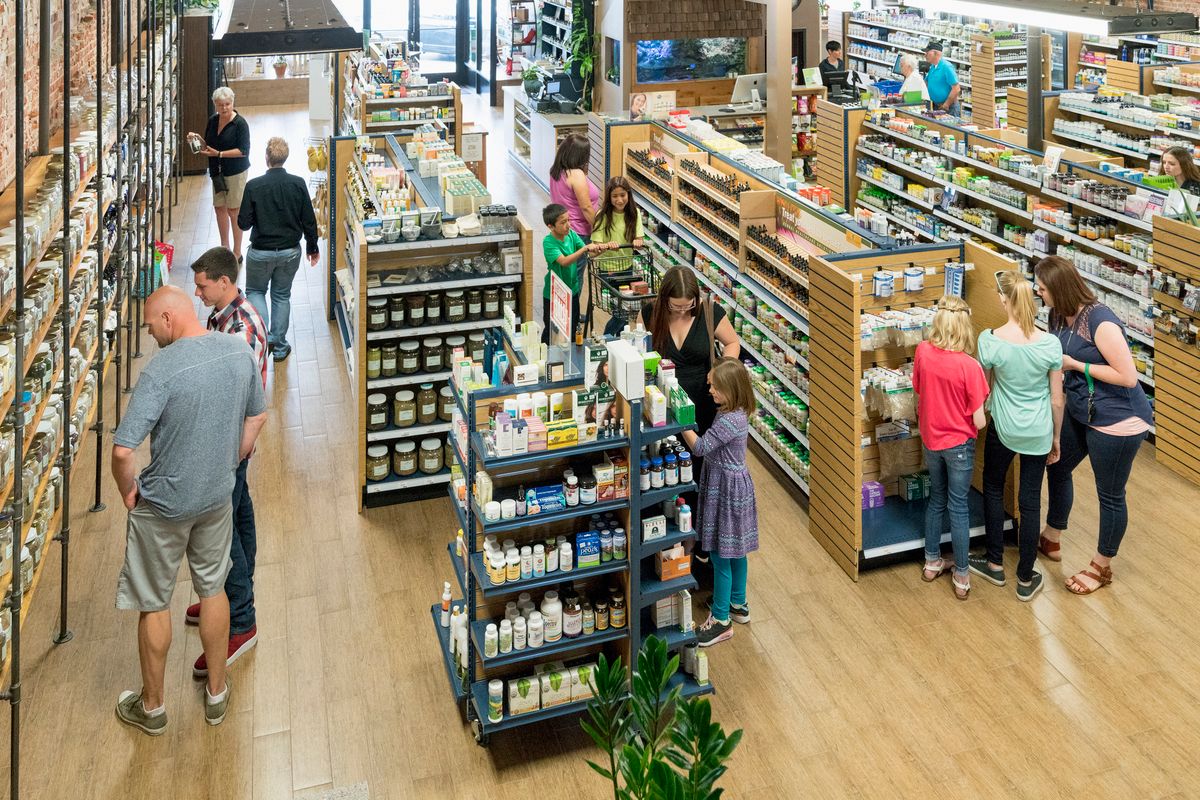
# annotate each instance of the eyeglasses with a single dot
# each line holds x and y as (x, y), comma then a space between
(681, 309)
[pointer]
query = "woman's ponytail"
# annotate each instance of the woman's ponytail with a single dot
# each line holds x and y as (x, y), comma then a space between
(1019, 293)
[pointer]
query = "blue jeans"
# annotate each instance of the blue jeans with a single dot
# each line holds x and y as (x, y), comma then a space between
(273, 270)
(950, 472)
(239, 585)
(729, 585)
(1112, 461)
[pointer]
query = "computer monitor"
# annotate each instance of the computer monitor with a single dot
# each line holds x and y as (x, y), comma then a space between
(837, 82)
(750, 88)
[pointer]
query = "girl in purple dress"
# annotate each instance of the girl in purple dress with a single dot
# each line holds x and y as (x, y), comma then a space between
(728, 518)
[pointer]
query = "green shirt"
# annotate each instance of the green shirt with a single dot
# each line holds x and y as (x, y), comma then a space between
(616, 233)
(1020, 400)
(553, 247)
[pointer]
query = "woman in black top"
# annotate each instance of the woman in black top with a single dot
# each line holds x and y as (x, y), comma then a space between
(227, 145)
(1177, 162)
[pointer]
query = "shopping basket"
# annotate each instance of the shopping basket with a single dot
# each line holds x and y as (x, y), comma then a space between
(622, 280)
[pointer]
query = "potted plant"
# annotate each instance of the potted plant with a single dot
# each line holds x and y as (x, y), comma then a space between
(655, 744)
(280, 67)
(531, 79)
(581, 58)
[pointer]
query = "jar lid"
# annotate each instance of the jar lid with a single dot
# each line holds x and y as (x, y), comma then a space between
(377, 451)
(432, 341)
(431, 444)
(456, 341)
(405, 396)
(377, 302)
(376, 399)
(407, 346)
(425, 387)
(476, 337)
(406, 447)
(455, 293)
(446, 392)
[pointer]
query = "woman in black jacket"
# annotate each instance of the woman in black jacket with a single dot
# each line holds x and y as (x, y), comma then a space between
(226, 142)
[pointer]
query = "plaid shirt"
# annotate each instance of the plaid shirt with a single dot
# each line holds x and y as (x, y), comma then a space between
(240, 318)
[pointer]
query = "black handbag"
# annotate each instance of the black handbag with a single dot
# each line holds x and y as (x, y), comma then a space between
(218, 181)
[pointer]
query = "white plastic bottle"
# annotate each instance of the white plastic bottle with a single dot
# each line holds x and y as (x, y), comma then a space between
(446, 604)
(566, 560)
(491, 640)
(552, 616)
(536, 630)
(506, 636)
(520, 633)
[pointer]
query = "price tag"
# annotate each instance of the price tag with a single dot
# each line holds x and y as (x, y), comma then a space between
(560, 306)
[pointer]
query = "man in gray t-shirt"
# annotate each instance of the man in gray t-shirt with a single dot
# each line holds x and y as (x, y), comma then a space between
(200, 400)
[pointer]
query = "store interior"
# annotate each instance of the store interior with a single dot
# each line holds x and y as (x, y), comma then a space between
(825, 210)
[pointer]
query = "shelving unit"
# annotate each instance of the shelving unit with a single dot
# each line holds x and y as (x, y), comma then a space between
(554, 29)
(360, 273)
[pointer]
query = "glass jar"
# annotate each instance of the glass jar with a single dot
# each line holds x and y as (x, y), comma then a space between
(374, 361)
(474, 304)
(410, 358)
(445, 403)
(448, 450)
(377, 314)
(491, 303)
(455, 306)
(431, 455)
(404, 458)
(427, 404)
(404, 408)
(415, 305)
(377, 416)
(378, 465)
(431, 354)
(616, 613)
(433, 308)
(475, 345)
(508, 299)
(396, 312)
(454, 343)
(387, 362)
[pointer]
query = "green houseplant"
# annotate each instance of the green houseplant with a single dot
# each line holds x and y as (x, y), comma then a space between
(658, 746)
(531, 79)
(581, 49)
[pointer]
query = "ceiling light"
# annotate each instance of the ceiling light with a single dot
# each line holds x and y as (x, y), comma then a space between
(1090, 19)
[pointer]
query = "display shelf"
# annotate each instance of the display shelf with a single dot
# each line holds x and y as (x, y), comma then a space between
(688, 687)
(571, 512)
(500, 462)
(999, 205)
(1105, 118)
(776, 371)
(479, 698)
(1103, 249)
(460, 570)
(1096, 143)
(695, 183)
(411, 482)
(392, 433)
(991, 237)
(1179, 86)
(651, 434)
(1106, 212)
(788, 425)
(648, 175)
(674, 638)
(563, 645)
(789, 313)
(656, 496)
(441, 286)
(779, 462)
(421, 331)
(408, 380)
(655, 589)
(899, 192)
(673, 537)
(443, 635)
(723, 256)
(550, 579)
(426, 246)
(903, 223)
(774, 339)
(754, 247)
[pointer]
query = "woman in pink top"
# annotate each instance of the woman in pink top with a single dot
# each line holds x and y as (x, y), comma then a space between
(569, 184)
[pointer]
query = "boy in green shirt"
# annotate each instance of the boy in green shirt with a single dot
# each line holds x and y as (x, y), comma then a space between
(566, 256)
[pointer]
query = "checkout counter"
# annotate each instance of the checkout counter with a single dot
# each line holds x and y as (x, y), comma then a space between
(533, 136)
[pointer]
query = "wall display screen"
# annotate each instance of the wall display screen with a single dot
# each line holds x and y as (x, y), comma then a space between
(664, 60)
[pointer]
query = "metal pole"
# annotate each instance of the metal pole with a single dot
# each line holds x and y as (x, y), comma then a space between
(98, 427)
(64, 634)
(1033, 86)
(135, 222)
(145, 176)
(45, 45)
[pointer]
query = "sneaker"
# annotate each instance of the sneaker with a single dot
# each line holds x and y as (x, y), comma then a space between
(214, 713)
(979, 565)
(131, 711)
(281, 352)
(713, 632)
(739, 614)
(1025, 592)
(239, 645)
(192, 615)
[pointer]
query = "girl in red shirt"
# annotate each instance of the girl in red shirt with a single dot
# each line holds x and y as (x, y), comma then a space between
(951, 389)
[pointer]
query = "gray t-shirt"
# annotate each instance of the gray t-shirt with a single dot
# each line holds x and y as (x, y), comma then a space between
(192, 400)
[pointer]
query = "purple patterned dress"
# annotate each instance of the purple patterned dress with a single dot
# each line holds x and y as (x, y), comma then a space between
(728, 517)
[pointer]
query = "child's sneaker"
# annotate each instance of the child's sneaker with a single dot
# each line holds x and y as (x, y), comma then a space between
(713, 631)
(739, 614)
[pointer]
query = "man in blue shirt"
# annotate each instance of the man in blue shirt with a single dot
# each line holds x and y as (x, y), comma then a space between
(942, 80)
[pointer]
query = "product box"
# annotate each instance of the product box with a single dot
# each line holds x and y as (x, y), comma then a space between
(605, 397)
(872, 494)
(595, 363)
(524, 695)
(620, 465)
(535, 435)
(502, 434)
(683, 410)
(911, 487)
(672, 564)
(583, 682)
(513, 263)
(520, 437)
(666, 373)
(626, 369)
(525, 374)
(587, 549)
(650, 362)
(548, 666)
(683, 609)
(666, 613)
(605, 488)
(653, 528)
(561, 433)
(555, 687)
(583, 405)
(654, 407)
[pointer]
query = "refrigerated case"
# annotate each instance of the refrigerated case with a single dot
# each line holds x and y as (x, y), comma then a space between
(1058, 49)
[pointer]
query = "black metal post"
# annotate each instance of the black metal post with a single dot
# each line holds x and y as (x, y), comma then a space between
(133, 26)
(145, 178)
(45, 46)
(98, 426)
(1033, 86)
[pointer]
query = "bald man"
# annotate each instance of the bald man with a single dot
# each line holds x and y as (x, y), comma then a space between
(200, 400)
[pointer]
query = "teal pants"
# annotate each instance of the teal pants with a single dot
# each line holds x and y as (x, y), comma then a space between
(729, 585)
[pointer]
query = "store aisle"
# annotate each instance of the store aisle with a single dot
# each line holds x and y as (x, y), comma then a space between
(874, 689)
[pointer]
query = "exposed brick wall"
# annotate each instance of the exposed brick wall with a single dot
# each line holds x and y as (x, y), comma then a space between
(83, 68)
(693, 19)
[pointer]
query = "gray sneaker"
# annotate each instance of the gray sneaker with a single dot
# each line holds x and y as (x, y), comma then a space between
(214, 713)
(131, 711)
(1025, 592)
(739, 614)
(979, 565)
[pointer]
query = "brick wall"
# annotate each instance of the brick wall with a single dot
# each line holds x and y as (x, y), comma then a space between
(83, 69)
(693, 19)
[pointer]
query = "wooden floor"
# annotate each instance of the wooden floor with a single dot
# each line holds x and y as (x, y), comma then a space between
(883, 688)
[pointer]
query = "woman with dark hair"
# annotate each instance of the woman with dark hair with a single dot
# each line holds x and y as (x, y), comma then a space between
(618, 221)
(1107, 416)
(569, 184)
(1177, 162)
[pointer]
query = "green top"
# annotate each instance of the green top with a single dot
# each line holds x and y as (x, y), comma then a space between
(554, 247)
(617, 232)
(1020, 400)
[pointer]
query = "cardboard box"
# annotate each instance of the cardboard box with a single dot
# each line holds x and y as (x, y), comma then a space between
(561, 433)
(626, 369)
(653, 528)
(911, 487)
(595, 363)
(583, 682)
(654, 407)
(620, 465)
(524, 695)
(672, 564)
(555, 686)
(583, 405)
(605, 486)
(872, 494)
(666, 613)
(548, 666)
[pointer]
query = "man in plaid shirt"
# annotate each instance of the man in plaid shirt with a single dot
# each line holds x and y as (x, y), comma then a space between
(216, 276)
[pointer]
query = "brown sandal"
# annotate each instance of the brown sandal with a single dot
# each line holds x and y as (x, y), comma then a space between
(1051, 550)
(1102, 576)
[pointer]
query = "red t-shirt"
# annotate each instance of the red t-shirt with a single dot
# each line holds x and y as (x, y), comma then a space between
(950, 385)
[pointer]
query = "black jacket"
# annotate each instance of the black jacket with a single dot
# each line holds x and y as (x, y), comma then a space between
(277, 210)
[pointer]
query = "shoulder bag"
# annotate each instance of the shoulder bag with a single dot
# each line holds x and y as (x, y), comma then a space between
(218, 181)
(715, 349)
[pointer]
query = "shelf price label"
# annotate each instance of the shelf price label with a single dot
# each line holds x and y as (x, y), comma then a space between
(560, 306)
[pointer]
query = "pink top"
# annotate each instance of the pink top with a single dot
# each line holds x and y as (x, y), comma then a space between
(564, 195)
(950, 385)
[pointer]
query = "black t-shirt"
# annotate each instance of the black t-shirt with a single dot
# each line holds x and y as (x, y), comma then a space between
(826, 68)
(1192, 186)
(234, 136)
(693, 361)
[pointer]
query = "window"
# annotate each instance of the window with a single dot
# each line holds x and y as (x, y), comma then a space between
(663, 60)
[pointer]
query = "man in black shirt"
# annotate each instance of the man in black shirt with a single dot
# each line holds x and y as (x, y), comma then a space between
(832, 62)
(277, 210)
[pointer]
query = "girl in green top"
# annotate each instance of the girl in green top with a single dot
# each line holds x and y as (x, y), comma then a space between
(1027, 401)
(618, 216)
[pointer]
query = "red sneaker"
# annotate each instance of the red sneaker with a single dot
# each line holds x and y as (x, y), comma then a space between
(239, 645)
(192, 616)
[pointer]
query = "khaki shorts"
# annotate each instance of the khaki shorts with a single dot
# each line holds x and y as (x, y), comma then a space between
(154, 549)
(236, 185)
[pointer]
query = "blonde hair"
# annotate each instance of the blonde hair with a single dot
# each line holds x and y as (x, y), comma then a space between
(223, 94)
(952, 328)
(277, 151)
(730, 378)
(1019, 294)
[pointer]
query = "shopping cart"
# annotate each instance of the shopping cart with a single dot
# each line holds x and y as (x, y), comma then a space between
(622, 280)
